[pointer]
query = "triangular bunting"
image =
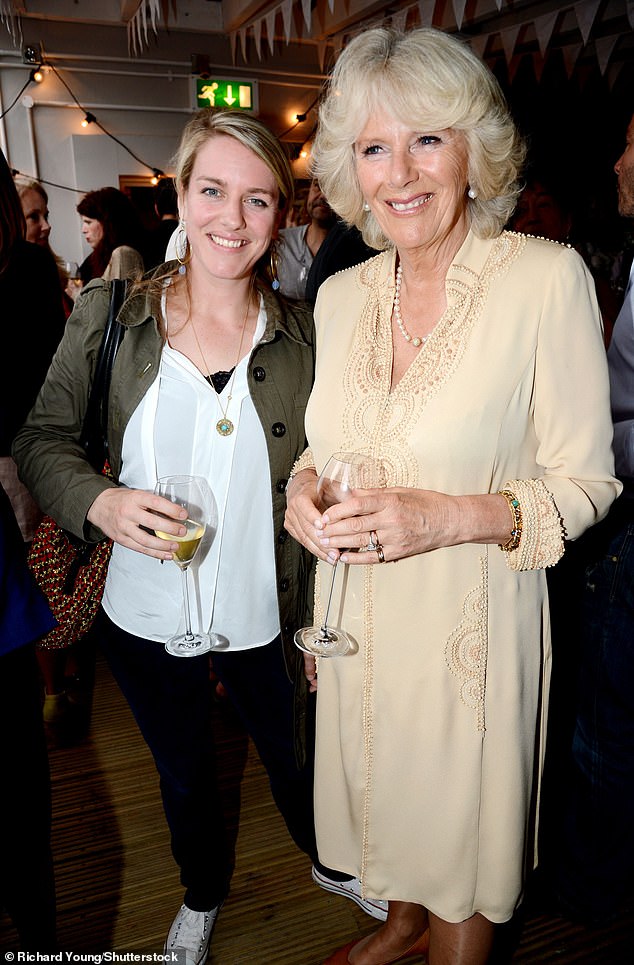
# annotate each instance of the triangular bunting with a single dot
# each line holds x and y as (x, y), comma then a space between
(509, 37)
(233, 37)
(538, 65)
(270, 28)
(426, 12)
(499, 4)
(458, 11)
(331, 5)
(604, 47)
(287, 17)
(399, 19)
(629, 7)
(586, 11)
(321, 53)
(544, 27)
(478, 44)
(242, 34)
(570, 54)
(307, 11)
(257, 36)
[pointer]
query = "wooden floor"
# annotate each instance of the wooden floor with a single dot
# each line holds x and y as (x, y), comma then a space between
(118, 887)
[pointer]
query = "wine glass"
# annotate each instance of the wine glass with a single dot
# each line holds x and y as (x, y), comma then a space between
(343, 473)
(194, 494)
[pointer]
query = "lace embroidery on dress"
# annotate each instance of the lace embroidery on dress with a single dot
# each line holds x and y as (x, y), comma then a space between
(542, 540)
(467, 648)
(379, 420)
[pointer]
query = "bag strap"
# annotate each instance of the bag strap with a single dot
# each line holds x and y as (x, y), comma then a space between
(94, 433)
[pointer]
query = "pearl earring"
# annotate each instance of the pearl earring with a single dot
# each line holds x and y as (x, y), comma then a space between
(366, 206)
(472, 194)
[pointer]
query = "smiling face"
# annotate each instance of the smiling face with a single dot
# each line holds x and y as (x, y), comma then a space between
(624, 168)
(230, 208)
(415, 182)
(36, 213)
(92, 230)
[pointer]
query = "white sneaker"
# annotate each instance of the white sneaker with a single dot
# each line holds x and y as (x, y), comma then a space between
(191, 932)
(375, 907)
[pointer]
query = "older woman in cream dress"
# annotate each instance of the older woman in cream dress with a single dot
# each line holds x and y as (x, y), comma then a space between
(470, 361)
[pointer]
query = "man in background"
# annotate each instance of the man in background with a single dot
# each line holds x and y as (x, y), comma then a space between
(298, 246)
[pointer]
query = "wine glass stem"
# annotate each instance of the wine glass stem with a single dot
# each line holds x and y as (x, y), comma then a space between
(188, 621)
(324, 626)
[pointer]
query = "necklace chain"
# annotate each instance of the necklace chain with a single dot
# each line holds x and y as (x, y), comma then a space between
(224, 426)
(416, 340)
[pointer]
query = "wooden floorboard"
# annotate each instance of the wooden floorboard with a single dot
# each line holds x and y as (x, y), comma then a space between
(118, 887)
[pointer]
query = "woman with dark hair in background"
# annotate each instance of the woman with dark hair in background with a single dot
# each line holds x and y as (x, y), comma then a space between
(111, 226)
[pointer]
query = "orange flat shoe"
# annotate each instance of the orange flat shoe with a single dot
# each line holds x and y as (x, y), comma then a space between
(420, 947)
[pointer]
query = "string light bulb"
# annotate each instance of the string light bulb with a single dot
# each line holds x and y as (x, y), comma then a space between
(88, 119)
(157, 174)
(37, 76)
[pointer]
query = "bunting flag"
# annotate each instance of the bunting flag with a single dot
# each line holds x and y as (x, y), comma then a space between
(321, 53)
(604, 47)
(242, 33)
(586, 12)
(233, 37)
(270, 28)
(499, 4)
(458, 11)
(571, 55)
(509, 38)
(399, 19)
(538, 65)
(257, 36)
(331, 5)
(10, 18)
(287, 19)
(629, 6)
(544, 27)
(478, 44)
(426, 12)
(307, 11)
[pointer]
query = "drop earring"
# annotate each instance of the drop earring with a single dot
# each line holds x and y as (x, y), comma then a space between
(366, 206)
(275, 282)
(472, 194)
(182, 250)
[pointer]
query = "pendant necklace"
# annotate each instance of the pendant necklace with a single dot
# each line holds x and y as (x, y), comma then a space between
(224, 425)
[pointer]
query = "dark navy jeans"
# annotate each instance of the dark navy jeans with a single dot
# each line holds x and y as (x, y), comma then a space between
(595, 865)
(171, 699)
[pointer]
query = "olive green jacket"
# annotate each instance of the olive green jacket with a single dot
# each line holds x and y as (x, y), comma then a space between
(52, 465)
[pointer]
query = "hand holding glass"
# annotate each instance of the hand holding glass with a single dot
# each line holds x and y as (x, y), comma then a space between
(194, 494)
(343, 473)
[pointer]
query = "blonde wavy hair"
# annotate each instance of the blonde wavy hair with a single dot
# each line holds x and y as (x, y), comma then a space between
(430, 81)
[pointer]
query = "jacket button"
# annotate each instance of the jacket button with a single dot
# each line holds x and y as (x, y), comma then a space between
(259, 374)
(280, 485)
(278, 429)
(284, 585)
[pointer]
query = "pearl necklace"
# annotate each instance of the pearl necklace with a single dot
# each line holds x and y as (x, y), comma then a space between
(416, 340)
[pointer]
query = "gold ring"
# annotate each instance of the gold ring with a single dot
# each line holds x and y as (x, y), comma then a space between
(379, 553)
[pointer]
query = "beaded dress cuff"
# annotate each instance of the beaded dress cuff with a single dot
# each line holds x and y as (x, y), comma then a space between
(542, 539)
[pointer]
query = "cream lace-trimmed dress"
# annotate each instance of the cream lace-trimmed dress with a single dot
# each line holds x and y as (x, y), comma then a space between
(430, 735)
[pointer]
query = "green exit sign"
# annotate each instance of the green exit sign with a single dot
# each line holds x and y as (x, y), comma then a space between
(241, 95)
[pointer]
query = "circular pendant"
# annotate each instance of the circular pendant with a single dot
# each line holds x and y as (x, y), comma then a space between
(224, 427)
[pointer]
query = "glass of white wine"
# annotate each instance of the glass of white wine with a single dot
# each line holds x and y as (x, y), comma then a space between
(343, 473)
(195, 495)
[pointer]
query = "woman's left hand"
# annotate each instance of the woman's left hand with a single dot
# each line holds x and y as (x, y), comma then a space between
(405, 522)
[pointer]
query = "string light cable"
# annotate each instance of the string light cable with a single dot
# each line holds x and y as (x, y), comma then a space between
(300, 119)
(31, 80)
(90, 118)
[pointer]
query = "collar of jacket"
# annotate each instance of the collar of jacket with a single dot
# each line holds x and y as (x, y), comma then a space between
(282, 317)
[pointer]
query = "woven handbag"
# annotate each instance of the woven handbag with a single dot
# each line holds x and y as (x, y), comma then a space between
(71, 572)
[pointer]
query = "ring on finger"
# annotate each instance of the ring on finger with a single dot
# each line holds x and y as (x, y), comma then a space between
(374, 541)
(379, 553)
